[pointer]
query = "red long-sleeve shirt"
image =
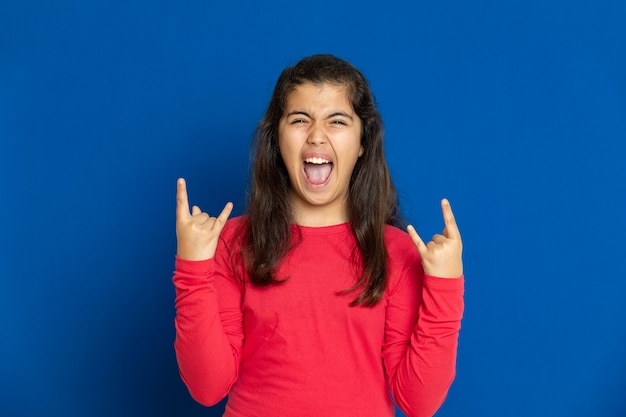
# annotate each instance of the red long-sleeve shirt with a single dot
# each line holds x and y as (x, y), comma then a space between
(298, 348)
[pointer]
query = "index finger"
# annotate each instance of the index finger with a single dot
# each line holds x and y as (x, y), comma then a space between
(182, 202)
(449, 220)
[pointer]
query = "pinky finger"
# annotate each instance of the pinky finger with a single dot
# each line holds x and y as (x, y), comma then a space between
(421, 247)
(228, 208)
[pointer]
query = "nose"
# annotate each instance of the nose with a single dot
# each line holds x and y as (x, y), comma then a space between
(317, 135)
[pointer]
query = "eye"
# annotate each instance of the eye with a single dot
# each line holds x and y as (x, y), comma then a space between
(338, 122)
(297, 121)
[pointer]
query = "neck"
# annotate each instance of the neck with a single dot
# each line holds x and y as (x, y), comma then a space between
(318, 216)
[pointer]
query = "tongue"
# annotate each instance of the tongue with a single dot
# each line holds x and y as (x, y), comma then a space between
(317, 173)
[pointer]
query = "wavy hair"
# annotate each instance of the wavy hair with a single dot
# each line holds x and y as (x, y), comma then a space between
(372, 198)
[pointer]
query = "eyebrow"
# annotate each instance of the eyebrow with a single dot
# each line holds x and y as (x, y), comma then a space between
(330, 116)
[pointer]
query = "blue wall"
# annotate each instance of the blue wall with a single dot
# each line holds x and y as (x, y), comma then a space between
(515, 111)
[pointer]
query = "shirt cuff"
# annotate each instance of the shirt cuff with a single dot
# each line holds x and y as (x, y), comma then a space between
(199, 268)
(449, 284)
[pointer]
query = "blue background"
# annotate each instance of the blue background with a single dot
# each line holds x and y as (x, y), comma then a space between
(515, 111)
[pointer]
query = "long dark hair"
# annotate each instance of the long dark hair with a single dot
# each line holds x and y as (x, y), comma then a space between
(372, 198)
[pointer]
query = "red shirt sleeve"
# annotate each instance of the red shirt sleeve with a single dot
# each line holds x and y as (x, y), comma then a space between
(209, 333)
(421, 344)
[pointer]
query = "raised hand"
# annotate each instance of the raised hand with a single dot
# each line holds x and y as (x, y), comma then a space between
(197, 232)
(441, 257)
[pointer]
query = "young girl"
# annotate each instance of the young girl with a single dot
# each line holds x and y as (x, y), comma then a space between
(315, 303)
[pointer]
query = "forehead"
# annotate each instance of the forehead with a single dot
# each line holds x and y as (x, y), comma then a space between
(324, 95)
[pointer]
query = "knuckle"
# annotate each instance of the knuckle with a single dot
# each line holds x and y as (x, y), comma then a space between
(198, 228)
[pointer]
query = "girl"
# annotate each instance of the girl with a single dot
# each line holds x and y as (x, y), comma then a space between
(316, 303)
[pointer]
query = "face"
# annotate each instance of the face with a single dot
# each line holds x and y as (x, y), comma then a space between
(320, 142)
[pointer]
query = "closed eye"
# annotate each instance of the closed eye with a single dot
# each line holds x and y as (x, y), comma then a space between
(340, 118)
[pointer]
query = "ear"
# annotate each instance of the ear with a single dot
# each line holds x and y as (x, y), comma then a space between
(361, 150)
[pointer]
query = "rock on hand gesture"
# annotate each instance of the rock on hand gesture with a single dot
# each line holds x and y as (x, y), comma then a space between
(441, 257)
(196, 231)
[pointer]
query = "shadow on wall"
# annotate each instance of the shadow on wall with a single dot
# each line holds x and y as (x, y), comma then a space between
(132, 352)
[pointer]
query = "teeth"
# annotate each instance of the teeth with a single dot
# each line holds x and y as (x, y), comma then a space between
(317, 161)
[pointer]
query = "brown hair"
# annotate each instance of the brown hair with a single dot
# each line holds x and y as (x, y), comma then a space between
(372, 199)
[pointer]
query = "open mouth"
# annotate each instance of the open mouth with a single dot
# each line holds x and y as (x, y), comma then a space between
(317, 170)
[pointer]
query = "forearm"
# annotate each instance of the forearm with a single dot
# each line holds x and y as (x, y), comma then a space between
(206, 360)
(423, 377)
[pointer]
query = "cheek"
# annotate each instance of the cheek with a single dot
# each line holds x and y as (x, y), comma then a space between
(286, 152)
(290, 157)
(283, 148)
